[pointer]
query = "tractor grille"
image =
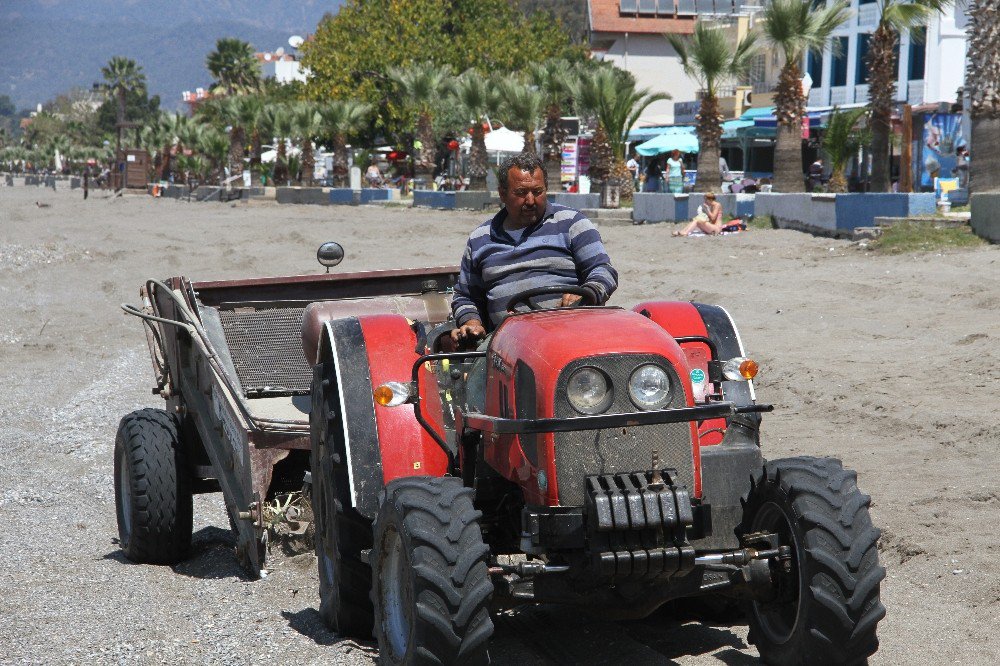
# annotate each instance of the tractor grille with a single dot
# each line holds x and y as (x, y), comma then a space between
(618, 450)
(266, 347)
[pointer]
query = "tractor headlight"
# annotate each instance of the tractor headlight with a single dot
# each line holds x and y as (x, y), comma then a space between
(589, 391)
(649, 387)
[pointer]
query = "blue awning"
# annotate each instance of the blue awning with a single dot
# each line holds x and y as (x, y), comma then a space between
(730, 127)
(750, 114)
(647, 133)
(686, 142)
(815, 119)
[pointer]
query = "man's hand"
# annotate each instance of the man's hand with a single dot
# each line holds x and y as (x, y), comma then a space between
(569, 300)
(468, 332)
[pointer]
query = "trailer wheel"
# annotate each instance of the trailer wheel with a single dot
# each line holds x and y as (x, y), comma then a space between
(341, 532)
(431, 585)
(152, 488)
(826, 608)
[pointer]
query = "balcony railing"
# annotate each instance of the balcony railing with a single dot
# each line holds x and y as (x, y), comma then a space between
(838, 96)
(915, 92)
(816, 97)
(861, 93)
(868, 16)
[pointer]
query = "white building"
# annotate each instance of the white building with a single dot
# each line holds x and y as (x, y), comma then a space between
(280, 66)
(931, 68)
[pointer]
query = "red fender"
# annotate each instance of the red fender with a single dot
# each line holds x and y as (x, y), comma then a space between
(406, 448)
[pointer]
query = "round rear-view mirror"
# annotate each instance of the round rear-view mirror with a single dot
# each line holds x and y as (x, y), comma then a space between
(330, 254)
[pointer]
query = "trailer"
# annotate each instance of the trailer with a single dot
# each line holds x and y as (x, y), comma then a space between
(228, 361)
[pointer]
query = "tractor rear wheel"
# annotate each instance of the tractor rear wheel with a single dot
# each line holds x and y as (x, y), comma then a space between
(152, 488)
(431, 585)
(824, 609)
(341, 532)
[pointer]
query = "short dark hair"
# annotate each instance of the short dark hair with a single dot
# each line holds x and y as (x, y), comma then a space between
(523, 161)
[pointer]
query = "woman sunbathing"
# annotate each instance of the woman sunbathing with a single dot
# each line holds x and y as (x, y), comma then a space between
(708, 219)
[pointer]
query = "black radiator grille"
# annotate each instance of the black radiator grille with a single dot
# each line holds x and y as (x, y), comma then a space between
(619, 450)
(266, 347)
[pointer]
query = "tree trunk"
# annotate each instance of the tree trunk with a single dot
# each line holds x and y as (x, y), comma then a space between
(236, 138)
(477, 158)
(881, 94)
(790, 106)
(552, 137)
(709, 133)
(838, 182)
(984, 164)
(255, 157)
(308, 163)
(341, 171)
(280, 174)
(423, 166)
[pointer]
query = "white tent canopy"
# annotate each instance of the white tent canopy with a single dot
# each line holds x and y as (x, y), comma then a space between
(504, 140)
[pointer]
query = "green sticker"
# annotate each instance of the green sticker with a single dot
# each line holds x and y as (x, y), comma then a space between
(697, 376)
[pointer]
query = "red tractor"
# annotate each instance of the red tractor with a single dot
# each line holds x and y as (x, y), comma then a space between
(616, 464)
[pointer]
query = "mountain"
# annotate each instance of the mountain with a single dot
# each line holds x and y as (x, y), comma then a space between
(50, 46)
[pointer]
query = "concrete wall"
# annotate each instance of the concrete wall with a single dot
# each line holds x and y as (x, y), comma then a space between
(839, 214)
(985, 208)
(575, 200)
(656, 207)
(345, 195)
(303, 195)
(473, 200)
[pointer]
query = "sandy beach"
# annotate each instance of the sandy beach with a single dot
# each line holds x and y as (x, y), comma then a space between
(891, 363)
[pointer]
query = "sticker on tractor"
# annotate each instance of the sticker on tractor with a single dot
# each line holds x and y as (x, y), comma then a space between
(697, 376)
(229, 430)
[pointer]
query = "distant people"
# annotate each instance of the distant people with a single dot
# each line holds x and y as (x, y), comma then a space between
(816, 175)
(653, 174)
(708, 220)
(633, 168)
(86, 182)
(961, 169)
(373, 175)
(675, 173)
(724, 169)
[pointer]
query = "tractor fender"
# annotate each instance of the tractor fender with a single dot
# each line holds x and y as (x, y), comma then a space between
(380, 443)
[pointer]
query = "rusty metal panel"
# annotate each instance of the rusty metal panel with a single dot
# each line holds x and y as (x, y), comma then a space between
(266, 348)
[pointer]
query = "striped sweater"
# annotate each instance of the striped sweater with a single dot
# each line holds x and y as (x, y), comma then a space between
(562, 249)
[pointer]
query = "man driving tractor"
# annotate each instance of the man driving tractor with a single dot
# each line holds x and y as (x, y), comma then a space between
(530, 243)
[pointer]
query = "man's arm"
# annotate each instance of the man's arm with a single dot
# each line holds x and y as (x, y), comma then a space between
(593, 264)
(469, 303)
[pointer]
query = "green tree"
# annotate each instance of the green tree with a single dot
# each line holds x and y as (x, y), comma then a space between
(342, 119)
(523, 105)
(477, 95)
(308, 124)
(611, 96)
(279, 118)
(795, 28)
(423, 86)
(841, 142)
(554, 78)
(353, 51)
(712, 60)
(122, 76)
(894, 16)
(983, 81)
(233, 66)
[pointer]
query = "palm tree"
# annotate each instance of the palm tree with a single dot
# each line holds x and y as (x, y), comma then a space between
(554, 79)
(712, 60)
(308, 125)
(841, 142)
(982, 80)
(610, 95)
(478, 98)
(894, 17)
(523, 104)
(422, 86)
(121, 76)
(795, 28)
(279, 118)
(233, 66)
(342, 119)
(214, 145)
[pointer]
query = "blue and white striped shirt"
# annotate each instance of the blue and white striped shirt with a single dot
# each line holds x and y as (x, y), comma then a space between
(560, 250)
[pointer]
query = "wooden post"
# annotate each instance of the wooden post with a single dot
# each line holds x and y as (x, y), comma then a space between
(906, 156)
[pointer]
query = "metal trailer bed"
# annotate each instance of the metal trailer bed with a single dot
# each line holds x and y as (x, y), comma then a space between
(229, 361)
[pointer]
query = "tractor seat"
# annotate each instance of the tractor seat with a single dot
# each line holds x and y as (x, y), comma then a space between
(430, 308)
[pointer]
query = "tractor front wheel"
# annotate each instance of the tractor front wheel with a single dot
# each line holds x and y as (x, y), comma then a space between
(824, 607)
(152, 488)
(431, 587)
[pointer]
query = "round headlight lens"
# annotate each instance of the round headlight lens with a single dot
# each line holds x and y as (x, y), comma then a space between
(589, 391)
(649, 387)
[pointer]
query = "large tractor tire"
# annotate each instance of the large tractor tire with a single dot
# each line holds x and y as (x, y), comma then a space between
(152, 488)
(342, 534)
(825, 609)
(431, 585)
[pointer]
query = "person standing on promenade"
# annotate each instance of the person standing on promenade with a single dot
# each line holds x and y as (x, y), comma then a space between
(86, 182)
(675, 172)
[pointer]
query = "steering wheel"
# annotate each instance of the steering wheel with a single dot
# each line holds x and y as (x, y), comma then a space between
(526, 296)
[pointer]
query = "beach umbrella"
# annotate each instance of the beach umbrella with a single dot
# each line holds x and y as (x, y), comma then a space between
(682, 141)
(504, 140)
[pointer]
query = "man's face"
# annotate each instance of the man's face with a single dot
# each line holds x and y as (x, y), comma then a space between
(524, 197)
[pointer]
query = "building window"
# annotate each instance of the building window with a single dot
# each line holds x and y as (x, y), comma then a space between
(814, 66)
(838, 69)
(918, 54)
(865, 2)
(861, 65)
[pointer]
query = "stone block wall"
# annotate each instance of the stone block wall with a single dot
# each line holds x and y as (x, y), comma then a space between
(985, 207)
(839, 214)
